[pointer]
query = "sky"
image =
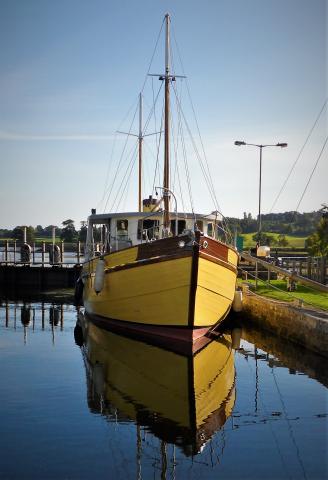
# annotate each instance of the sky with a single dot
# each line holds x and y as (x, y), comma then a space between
(71, 69)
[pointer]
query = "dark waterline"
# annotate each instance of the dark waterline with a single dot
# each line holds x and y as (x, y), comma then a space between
(78, 403)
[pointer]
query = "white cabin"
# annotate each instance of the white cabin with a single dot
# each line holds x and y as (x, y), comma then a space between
(110, 232)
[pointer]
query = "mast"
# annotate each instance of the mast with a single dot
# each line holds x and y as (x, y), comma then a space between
(140, 138)
(166, 177)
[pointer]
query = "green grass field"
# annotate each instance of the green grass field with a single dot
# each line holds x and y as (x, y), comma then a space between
(36, 240)
(293, 242)
(308, 295)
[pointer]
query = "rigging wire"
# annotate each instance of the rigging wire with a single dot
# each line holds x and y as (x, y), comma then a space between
(180, 190)
(216, 203)
(299, 154)
(311, 175)
(179, 134)
(112, 154)
(208, 180)
(129, 156)
(125, 189)
(283, 463)
(125, 178)
(152, 57)
(288, 424)
(175, 138)
(175, 147)
(158, 137)
(110, 189)
(150, 115)
(152, 109)
(157, 157)
(184, 154)
(207, 169)
(108, 170)
(146, 165)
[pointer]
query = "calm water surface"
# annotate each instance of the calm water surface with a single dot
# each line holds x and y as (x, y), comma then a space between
(78, 402)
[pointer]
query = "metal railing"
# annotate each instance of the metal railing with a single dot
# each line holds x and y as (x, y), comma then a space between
(41, 253)
(289, 273)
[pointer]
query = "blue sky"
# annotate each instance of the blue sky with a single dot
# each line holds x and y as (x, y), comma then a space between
(70, 70)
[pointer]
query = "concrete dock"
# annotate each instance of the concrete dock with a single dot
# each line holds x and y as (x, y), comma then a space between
(304, 326)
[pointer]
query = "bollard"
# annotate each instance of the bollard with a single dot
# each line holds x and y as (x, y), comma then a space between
(237, 304)
(236, 337)
(26, 253)
(245, 288)
(54, 255)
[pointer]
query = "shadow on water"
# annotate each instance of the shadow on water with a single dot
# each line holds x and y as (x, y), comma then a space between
(282, 353)
(58, 296)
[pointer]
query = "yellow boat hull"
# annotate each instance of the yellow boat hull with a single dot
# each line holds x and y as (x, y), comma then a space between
(191, 288)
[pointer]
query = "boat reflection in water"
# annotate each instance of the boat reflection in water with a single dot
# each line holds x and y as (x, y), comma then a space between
(182, 399)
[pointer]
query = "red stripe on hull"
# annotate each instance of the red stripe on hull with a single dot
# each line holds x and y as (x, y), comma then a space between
(183, 340)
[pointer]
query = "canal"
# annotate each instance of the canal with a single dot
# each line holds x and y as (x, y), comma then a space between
(78, 402)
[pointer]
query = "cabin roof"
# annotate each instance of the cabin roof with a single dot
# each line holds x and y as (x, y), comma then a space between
(102, 217)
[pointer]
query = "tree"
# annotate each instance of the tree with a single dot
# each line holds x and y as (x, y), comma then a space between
(39, 231)
(5, 233)
(282, 240)
(317, 243)
(83, 231)
(47, 231)
(266, 239)
(18, 234)
(68, 233)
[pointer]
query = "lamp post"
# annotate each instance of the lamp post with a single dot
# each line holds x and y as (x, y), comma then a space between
(281, 145)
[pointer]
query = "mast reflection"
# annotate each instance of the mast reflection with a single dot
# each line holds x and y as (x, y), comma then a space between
(182, 399)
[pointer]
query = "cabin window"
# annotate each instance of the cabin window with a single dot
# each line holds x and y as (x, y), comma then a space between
(106, 237)
(210, 229)
(148, 229)
(122, 229)
(200, 225)
(181, 227)
(139, 232)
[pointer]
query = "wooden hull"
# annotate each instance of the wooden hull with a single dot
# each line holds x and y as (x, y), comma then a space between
(162, 285)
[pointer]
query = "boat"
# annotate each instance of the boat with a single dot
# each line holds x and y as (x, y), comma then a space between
(181, 399)
(156, 271)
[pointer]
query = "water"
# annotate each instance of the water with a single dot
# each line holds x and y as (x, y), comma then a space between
(80, 403)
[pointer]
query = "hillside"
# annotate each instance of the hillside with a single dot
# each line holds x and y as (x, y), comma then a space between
(288, 223)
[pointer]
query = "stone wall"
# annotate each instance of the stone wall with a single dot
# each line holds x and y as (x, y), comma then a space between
(300, 325)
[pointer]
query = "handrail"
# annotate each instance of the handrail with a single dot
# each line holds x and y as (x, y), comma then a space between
(286, 273)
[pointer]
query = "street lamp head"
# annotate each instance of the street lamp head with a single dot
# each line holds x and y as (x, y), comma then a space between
(239, 143)
(282, 145)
